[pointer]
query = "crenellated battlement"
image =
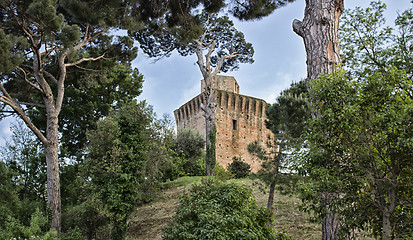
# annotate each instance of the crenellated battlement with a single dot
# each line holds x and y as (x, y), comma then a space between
(226, 101)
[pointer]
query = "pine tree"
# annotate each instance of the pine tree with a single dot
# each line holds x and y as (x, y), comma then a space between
(40, 42)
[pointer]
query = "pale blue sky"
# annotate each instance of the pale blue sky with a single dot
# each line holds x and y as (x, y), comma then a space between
(279, 60)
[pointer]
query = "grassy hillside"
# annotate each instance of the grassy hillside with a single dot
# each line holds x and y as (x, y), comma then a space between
(148, 220)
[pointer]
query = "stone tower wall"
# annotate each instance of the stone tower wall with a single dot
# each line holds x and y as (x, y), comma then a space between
(190, 115)
(240, 121)
(225, 83)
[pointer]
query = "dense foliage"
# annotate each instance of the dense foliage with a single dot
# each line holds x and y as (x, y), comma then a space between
(360, 145)
(239, 168)
(22, 189)
(116, 159)
(100, 192)
(361, 150)
(217, 210)
(42, 43)
(92, 91)
(191, 143)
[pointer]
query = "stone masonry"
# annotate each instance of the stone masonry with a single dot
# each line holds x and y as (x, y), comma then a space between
(239, 121)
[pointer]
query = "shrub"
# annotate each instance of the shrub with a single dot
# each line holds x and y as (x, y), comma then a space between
(87, 220)
(221, 174)
(191, 143)
(38, 228)
(220, 211)
(239, 168)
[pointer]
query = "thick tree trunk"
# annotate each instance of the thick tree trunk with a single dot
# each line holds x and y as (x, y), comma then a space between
(52, 161)
(319, 30)
(209, 114)
(271, 200)
(209, 147)
(330, 225)
(388, 208)
(387, 228)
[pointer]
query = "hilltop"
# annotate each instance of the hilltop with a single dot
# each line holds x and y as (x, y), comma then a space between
(148, 221)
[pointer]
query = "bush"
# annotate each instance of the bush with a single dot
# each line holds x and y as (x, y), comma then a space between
(87, 220)
(191, 143)
(220, 211)
(239, 168)
(38, 228)
(221, 174)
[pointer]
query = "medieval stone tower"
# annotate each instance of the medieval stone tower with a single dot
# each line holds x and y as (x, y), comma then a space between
(239, 121)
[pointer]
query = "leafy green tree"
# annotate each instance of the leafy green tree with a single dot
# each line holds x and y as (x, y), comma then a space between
(24, 156)
(217, 210)
(181, 13)
(216, 37)
(23, 185)
(366, 150)
(239, 168)
(13, 228)
(89, 219)
(191, 143)
(92, 91)
(40, 41)
(116, 160)
(163, 163)
(92, 216)
(287, 120)
(255, 9)
(370, 45)
(360, 151)
(9, 198)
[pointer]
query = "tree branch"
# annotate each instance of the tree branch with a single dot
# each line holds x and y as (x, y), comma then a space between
(298, 28)
(200, 60)
(50, 76)
(84, 60)
(27, 81)
(7, 99)
(208, 55)
(32, 104)
(221, 61)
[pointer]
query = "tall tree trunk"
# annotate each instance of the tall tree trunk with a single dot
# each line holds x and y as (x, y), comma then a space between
(387, 228)
(330, 224)
(271, 195)
(209, 147)
(319, 30)
(52, 161)
(209, 114)
(273, 182)
(388, 207)
(271, 200)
